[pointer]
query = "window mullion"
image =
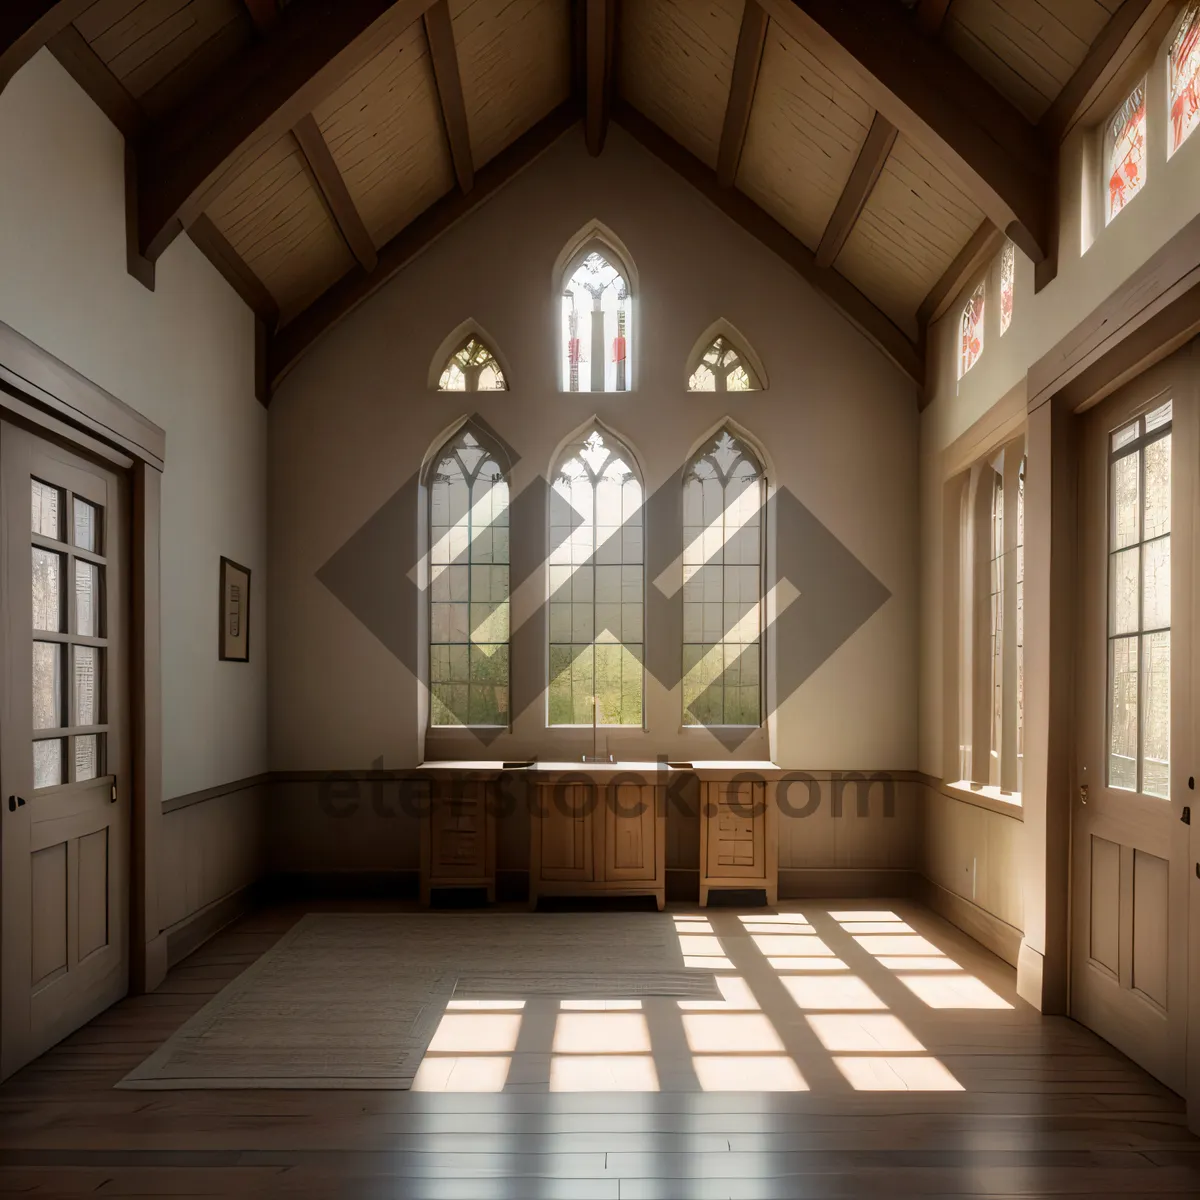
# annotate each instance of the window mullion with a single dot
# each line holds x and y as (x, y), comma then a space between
(1008, 689)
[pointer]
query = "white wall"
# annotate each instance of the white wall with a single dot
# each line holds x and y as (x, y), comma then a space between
(184, 357)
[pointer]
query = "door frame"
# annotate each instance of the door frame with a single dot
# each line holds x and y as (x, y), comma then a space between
(46, 395)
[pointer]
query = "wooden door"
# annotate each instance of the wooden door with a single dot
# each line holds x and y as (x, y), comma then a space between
(630, 833)
(1137, 498)
(64, 757)
(566, 825)
(736, 826)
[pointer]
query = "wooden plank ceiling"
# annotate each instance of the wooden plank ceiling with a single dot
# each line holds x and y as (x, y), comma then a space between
(321, 170)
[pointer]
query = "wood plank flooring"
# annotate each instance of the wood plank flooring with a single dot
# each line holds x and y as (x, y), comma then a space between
(1038, 1106)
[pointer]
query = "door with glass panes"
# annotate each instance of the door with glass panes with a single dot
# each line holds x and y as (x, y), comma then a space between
(64, 759)
(1138, 465)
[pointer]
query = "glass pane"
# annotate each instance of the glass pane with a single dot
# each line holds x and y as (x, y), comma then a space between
(1125, 151)
(1126, 500)
(1123, 591)
(1183, 79)
(1124, 436)
(1123, 715)
(87, 599)
(1156, 732)
(47, 686)
(47, 572)
(87, 756)
(86, 526)
(87, 689)
(1158, 488)
(48, 759)
(1159, 417)
(1156, 585)
(46, 518)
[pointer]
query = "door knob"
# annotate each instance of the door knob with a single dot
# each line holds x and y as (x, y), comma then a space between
(1083, 793)
(15, 802)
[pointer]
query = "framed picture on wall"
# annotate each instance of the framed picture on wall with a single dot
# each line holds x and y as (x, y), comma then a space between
(234, 643)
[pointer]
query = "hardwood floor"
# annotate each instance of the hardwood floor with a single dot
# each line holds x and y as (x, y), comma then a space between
(1036, 1106)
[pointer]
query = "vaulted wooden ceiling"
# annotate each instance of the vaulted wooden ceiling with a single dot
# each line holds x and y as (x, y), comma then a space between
(311, 147)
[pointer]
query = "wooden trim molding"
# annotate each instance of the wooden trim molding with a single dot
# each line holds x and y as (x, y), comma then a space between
(439, 33)
(937, 101)
(27, 25)
(215, 793)
(881, 137)
(212, 243)
(597, 59)
(747, 62)
(104, 89)
(984, 242)
(931, 16)
(993, 932)
(264, 13)
(861, 313)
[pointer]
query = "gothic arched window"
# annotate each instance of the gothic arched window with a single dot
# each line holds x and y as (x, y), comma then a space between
(722, 367)
(468, 582)
(595, 323)
(472, 368)
(723, 494)
(596, 585)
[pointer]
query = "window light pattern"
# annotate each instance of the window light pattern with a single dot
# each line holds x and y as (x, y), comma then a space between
(1125, 151)
(1183, 79)
(722, 585)
(972, 332)
(723, 368)
(595, 327)
(596, 594)
(1008, 280)
(472, 368)
(468, 585)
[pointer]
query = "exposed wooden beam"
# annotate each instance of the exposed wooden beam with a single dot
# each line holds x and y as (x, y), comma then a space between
(598, 46)
(88, 70)
(861, 313)
(439, 32)
(290, 342)
(256, 98)
(27, 25)
(746, 63)
(264, 13)
(931, 16)
(1124, 32)
(213, 244)
(881, 137)
(333, 188)
(935, 100)
(983, 243)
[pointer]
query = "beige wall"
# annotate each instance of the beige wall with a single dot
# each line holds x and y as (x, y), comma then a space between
(182, 355)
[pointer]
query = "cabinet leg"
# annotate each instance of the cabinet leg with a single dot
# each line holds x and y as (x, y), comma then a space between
(425, 890)
(772, 891)
(491, 893)
(703, 896)
(661, 898)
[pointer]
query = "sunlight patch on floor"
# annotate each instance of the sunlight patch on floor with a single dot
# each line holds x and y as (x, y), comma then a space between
(603, 1073)
(891, 1074)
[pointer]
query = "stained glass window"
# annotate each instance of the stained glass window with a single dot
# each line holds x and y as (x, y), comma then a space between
(1125, 150)
(723, 368)
(722, 585)
(1008, 280)
(596, 593)
(472, 368)
(595, 327)
(972, 332)
(1183, 78)
(468, 584)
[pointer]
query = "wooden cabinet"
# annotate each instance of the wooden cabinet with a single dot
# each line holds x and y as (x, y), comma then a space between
(739, 845)
(458, 836)
(604, 834)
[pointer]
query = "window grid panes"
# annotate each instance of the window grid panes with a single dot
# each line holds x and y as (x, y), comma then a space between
(723, 368)
(472, 368)
(595, 327)
(1125, 151)
(971, 332)
(468, 586)
(1183, 79)
(723, 491)
(1008, 282)
(996, 615)
(596, 587)
(1020, 630)
(69, 638)
(1139, 606)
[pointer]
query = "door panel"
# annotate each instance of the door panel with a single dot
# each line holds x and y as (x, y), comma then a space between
(1139, 456)
(64, 760)
(631, 828)
(568, 847)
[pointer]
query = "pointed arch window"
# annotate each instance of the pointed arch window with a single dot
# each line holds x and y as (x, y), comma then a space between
(1183, 78)
(596, 585)
(468, 583)
(596, 324)
(971, 332)
(723, 493)
(472, 368)
(722, 367)
(1008, 284)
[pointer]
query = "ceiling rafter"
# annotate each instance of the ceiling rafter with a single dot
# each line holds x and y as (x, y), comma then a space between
(264, 13)
(213, 244)
(98, 82)
(332, 186)
(861, 312)
(931, 16)
(881, 137)
(599, 35)
(935, 100)
(982, 245)
(27, 25)
(439, 33)
(184, 161)
(747, 62)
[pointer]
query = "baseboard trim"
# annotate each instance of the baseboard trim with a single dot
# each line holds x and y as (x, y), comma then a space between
(992, 932)
(845, 883)
(187, 936)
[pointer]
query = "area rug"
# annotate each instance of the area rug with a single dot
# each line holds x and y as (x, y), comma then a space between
(352, 1000)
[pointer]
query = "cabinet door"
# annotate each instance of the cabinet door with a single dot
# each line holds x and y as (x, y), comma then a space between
(630, 832)
(459, 831)
(567, 827)
(736, 816)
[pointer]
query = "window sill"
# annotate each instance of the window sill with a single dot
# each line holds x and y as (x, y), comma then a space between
(1008, 804)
